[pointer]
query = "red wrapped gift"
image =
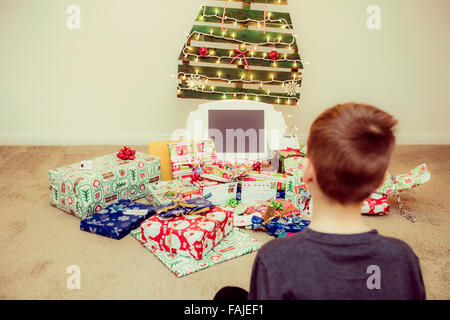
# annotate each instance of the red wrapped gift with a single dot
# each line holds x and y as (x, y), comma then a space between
(377, 204)
(189, 235)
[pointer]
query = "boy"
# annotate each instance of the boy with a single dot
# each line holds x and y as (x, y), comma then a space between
(338, 256)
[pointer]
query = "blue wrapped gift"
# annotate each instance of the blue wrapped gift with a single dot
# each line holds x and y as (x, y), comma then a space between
(117, 220)
(189, 206)
(279, 226)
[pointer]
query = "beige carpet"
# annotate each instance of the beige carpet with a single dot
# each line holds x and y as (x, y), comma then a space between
(39, 242)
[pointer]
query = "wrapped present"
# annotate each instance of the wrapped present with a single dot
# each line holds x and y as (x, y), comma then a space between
(192, 235)
(84, 190)
(376, 204)
(165, 192)
(218, 193)
(404, 182)
(217, 174)
(117, 220)
(297, 192)
(279, 178)
(288, 153)
(185, 156)
(294, 166)
(234, 245)
(280, 225)
(184, 207)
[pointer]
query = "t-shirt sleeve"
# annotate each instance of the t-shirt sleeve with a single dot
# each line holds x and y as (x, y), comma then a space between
(259, 282)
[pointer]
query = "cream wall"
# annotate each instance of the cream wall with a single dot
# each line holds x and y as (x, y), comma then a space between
(110, 82)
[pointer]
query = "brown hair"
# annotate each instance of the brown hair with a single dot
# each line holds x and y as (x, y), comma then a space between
(350, 146)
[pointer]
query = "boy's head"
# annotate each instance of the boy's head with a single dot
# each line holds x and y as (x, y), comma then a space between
(348, 150)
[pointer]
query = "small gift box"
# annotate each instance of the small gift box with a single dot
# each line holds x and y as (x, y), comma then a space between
(217, 174)
(164, 192)
(377, 204)
(184, 207)
(188, 235)
(294, 166)
(186, 155)
(288, 153)
(279, 226)
(117, 220)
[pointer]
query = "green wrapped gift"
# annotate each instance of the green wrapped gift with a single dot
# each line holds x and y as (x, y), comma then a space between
(289, 153)
(87, 187)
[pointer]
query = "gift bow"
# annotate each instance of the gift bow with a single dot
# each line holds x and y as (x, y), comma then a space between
(182, 204)
(241, 53)
(296, 151)
(126, 153)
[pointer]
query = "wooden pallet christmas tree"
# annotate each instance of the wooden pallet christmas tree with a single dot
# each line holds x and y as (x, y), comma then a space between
(242, 49)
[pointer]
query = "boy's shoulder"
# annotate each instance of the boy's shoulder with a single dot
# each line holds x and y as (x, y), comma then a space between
(389, 247)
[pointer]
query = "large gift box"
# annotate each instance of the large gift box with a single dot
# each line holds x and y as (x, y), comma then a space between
(82, 192)
(234, 245)
(185, 156)
(164, 192)
(188, 235)
(117, 220)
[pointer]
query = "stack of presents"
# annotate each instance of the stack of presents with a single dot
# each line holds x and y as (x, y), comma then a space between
(198, 218)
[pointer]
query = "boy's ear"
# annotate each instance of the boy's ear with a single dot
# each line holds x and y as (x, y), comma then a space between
(308, 171)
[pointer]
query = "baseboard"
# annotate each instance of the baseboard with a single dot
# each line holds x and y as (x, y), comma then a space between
(59, 140)
(402, 139)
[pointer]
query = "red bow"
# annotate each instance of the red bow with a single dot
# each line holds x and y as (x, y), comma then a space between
(196, 178)
(257, 166)
(241, 53)
(126, 154)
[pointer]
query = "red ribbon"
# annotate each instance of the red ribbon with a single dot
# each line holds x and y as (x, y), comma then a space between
(241, 53)
(223, 17)
(257, 166)
(196, 178)
(126, 154)
(297, 151)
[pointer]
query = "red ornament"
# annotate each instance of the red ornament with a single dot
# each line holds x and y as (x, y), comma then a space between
(203, 51)
(273, 55)
(126, 154)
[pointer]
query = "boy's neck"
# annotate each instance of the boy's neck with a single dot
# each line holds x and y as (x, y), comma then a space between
(328, 217)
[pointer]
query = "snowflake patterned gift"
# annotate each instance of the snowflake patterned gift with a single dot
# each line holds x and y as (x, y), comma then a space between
(164, 192)
(117, 220)
(192, 235)
(83, 192)
(187, 154)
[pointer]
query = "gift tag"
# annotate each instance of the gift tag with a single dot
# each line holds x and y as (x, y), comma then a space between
(221, 193)
(86, 165)
(135, 212)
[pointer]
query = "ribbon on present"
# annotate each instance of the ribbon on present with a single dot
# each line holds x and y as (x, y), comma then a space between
(233, 202)
(188, 208)
(297, 152)
(126, 153)
(257, 166)
(241, 53)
